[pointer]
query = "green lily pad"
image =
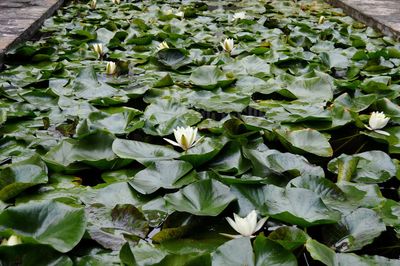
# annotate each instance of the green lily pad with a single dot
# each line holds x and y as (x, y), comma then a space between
(355, 230)
(58, 225)
(163, 174)
(291, 205)
(308, 140)
(19, 176)
(173, 58)
(327, 256)
(209, 77)
(162, 117)
(205, 198)
(366, 167)
(142, 152)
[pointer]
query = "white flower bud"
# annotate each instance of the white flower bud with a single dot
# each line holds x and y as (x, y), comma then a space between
(111, 68)
(228, 45)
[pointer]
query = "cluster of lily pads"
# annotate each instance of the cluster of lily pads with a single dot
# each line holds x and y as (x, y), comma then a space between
(254, 132)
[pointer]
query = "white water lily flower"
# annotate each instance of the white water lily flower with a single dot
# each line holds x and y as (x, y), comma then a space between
(180, 14)
(377, 121)
(168, 12)
(163, 45)
(246, 226)
(116, 2)
(98, 48)
(321, 20)
(12, 241)
(93, 4)
(228, 45)
(185, 137)
(111, 68)
(239, 15)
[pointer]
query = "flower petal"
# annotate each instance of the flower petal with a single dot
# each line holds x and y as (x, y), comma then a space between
(382, 132)
(251, 220)
(231, 236)
(197, 141)
(260, 224)
(233, 224)
(172, 142)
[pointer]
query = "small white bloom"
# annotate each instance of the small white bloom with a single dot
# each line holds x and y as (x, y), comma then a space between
(239, 15)
(12, 241)
(185, 137)
(246, 226)
(98, 48)
(163, 45)
(111, 68)
(377, 121)
(116, 2)
(180, 14)
(168, 12)
(93, 4)
(321, 20)
(228, 45)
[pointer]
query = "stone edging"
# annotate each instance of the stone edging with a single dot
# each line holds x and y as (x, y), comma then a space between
(32, 20)
(374, 18)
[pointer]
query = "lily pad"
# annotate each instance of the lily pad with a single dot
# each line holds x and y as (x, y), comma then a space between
(163, 174)
(366, 167)
(291, 205)
(145, 153)
(205, 198)
(209, 77)
(58, 225)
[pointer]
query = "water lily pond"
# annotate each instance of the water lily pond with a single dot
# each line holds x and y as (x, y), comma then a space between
(201, 133)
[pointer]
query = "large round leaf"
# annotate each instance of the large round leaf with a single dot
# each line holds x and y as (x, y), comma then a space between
(231, 159)
(145, 153)
(19, 176)
(173, 58)
(290, 237)
(204, 151)
(236, 252)
(163, 174)
(267, 252)
(112, 227)
(267, 161)
(366, 167)
(46, 222)
(328, 257)
(291, 205)
(250, 65)
(209, 77)
(308, 140)
(219, 101)
(205, 198)
(163, 116)
(83, 150)
(314, 87)
(355, 230)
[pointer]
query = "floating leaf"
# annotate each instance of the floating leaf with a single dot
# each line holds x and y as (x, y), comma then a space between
(291, 205)
(235, 252)
(173, 58)
(58, 225)
(307, 140)
(162, 117)
(267, 252)
(205, 198)
(366, 167)
(355, 230)
(209, 77)
(19, 176)
(163, 174)
(145, 153)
